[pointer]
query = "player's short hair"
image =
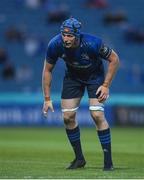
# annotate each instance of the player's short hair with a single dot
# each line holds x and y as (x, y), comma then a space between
(71, 26)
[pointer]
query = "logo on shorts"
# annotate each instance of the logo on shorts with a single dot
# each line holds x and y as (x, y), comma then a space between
(63, 56)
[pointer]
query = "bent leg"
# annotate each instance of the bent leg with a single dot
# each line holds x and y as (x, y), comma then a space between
(103, 131)
(69, 107)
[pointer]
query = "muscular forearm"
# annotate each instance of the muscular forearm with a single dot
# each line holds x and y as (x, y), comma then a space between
(46, 84)
(46, 81)
(112, 68)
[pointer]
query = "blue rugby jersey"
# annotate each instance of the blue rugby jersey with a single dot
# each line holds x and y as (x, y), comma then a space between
(83, 62)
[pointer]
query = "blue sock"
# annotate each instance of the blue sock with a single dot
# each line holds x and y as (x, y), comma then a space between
(105, 139)
(74, 138)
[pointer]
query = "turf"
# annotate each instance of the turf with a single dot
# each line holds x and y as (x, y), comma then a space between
(45, 152)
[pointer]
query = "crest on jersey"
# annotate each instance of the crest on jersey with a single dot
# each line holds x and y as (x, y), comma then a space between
(85, 56)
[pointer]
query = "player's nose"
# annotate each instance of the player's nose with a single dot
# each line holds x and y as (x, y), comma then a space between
(65, 38)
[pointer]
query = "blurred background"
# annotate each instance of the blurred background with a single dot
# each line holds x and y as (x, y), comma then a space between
(26, 26)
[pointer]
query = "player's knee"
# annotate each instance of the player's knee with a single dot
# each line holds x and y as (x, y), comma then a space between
(99, 119)
(69, 117)
(97, 116)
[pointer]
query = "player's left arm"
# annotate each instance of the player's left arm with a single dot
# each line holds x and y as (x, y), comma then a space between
(113, 63)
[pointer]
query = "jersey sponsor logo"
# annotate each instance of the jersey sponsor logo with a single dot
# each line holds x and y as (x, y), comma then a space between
(77, 65)
(85, 63)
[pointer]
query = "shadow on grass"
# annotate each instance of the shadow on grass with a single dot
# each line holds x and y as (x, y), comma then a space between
(101, 168)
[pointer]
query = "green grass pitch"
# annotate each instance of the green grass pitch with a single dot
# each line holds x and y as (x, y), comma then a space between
(45, 152)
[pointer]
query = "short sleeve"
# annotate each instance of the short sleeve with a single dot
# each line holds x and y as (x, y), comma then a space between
(52, 53)
(101, 48)
(104, 51)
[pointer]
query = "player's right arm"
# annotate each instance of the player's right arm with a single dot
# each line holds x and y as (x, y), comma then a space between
(46, 84)
(50, 61)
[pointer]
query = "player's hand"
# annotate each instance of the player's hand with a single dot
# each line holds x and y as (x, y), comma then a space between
(47, 105)
(103, 93)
